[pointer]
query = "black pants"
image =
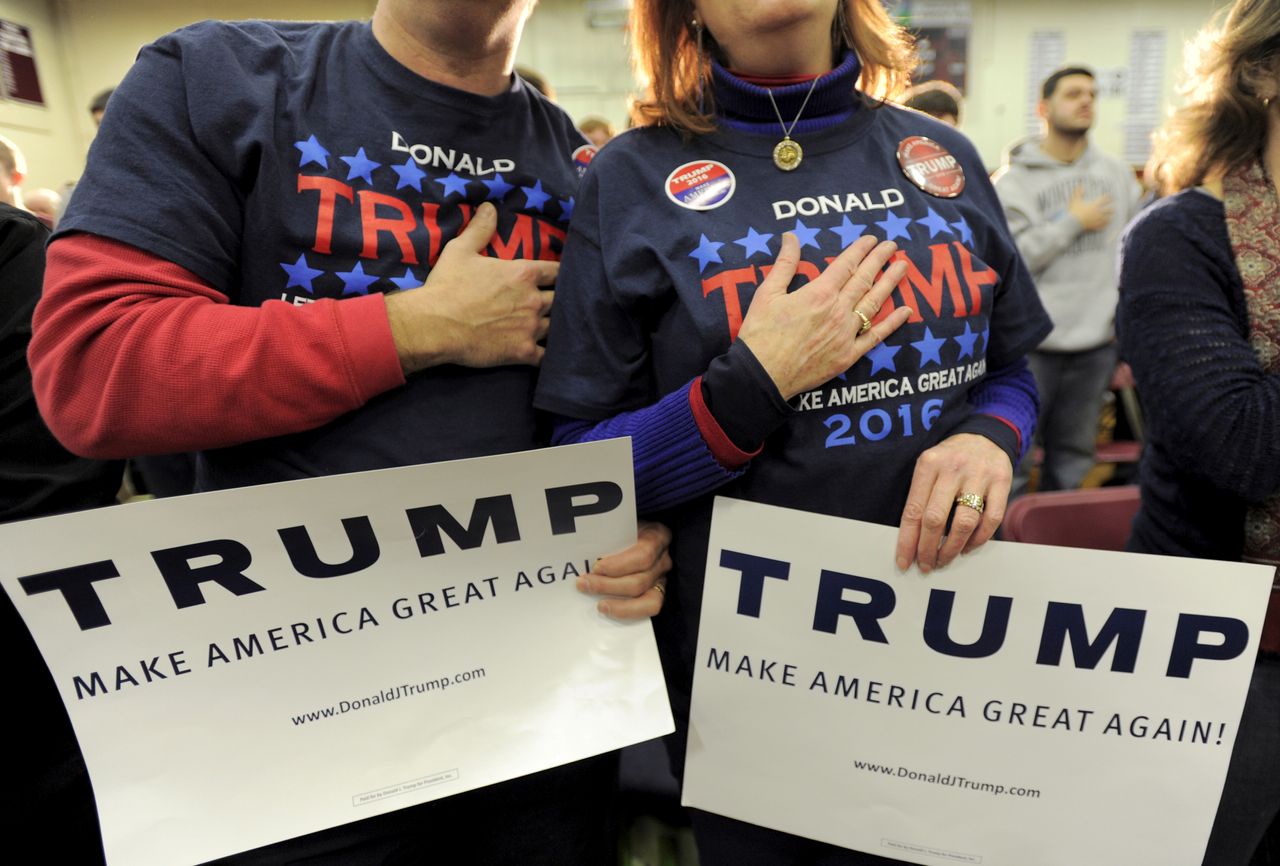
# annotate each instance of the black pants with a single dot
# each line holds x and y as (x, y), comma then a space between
(1251, 797)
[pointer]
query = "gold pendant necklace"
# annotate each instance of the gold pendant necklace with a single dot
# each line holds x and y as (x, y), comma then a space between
(788, 152)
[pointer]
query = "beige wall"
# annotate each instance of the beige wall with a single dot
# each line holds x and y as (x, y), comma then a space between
(589, 67)
(1097, 35)
(83, 46)
(45, 135)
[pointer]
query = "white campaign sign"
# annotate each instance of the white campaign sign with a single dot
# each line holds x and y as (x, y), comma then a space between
(838, 699)
(275, 660)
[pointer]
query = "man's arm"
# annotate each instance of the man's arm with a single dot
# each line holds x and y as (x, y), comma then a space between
(133, 354)
(1039, 239)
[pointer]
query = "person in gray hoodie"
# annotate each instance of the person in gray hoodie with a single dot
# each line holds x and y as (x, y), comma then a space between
(1067, 203)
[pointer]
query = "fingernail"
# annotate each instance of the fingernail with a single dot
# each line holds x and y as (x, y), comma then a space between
(925, 569)
(901, 562)
(603, 607)
(583, 585)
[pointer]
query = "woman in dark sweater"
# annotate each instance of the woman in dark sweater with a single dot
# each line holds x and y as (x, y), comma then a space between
(1199, 322)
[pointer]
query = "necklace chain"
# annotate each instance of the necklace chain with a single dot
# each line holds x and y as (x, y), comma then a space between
(788, 152)
(786, 130)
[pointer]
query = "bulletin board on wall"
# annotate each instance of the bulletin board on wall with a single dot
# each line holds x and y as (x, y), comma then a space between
(19, 80)
(941, 28)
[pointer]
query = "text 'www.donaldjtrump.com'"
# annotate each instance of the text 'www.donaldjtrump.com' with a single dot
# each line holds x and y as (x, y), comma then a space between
(387, 695)
(949, 780)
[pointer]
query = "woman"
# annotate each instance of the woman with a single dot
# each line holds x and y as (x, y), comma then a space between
(889, 386)
(1199, 323)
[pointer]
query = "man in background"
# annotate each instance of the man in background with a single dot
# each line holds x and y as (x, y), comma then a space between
(938, 99)
(1067, 204)
(13, 167)
(47, 796)
(597, 130)
(98, 105)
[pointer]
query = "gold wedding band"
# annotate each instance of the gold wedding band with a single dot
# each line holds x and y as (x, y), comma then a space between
(660, 588)
(972, 500)
(866, 323)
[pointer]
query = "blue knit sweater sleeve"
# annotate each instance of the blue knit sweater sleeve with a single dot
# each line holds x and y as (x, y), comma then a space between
(1005, 405)
(671, 460)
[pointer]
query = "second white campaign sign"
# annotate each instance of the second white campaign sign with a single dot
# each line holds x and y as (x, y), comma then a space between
(1025, 706)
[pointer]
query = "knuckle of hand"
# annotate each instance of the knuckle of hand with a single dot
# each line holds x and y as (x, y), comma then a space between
(934, 519)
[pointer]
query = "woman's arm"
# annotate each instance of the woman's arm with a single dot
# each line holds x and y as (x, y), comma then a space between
(1184, 331)
(697, 438)
(978, 457)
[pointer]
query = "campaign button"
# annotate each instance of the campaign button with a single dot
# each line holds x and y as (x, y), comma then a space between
(701, 185)
(582, 157)
(930, 166)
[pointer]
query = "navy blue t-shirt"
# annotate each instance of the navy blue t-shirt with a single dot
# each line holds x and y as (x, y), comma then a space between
(653, 287)
(299, 161)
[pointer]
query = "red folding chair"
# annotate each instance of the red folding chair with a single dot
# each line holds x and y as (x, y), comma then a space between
(1097, 518)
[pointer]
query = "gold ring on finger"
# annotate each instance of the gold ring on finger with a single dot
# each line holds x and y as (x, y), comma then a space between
(660, 588)
(972, 500)
(866, 323)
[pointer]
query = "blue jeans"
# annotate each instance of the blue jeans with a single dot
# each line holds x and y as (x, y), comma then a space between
(1071, 386)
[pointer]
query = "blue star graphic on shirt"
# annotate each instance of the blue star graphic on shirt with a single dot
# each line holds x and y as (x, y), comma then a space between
(356, 281)
(930, 348)
(453, 184)
(754, 242)
(895, 226)
(408, 281)
(498, 188)
(936, 224)
(534, 197)
(410, 175)
(966, 341)
(300, 274)
(848, 231)
(312, 152)
(882, 358)
(361, 166)
(806, 235)
(966, 234)
(986, 338)
(566, 209)
(706, 252)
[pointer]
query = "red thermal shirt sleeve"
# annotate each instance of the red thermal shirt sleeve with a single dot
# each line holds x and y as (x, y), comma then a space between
(132, 354)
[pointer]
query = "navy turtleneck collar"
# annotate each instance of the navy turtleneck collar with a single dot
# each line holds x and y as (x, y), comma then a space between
(745, 106)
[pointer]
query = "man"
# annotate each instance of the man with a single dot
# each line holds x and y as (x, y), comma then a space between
(44, 203)
(12, 169)
(290, 188)
(938, 99)
(98, 105)
(48, 796)
(1067, 203)
(597, 130)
